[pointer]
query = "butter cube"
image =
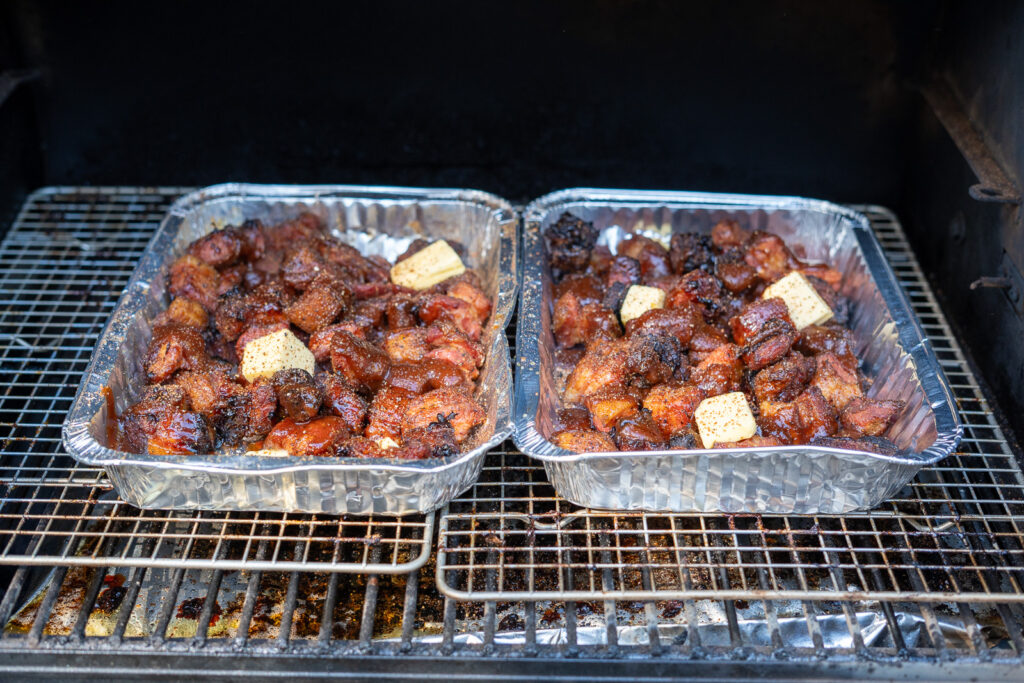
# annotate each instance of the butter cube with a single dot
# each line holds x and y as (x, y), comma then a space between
(724, 419)
(806, 307)
(279, 350)
(386, 443)
(640, 299)
(428, 266)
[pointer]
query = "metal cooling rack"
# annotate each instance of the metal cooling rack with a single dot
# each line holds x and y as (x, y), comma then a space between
(956, 534)
(63, 265)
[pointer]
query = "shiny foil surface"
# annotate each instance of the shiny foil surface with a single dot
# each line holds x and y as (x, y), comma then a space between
(376, 220)
(895, 356)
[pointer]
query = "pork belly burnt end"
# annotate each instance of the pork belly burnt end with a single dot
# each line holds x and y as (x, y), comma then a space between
(453, 407)
(569, 241)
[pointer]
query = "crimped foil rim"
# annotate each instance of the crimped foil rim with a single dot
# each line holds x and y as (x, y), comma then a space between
(82, 446)
(530, 441)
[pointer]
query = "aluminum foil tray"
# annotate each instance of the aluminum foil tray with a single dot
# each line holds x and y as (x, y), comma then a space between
(377, 220)
(784, 479)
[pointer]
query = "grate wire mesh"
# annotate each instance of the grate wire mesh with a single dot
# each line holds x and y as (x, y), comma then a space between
(63, 265)
(196, 612)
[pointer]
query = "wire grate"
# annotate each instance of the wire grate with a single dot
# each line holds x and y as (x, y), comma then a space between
(63, 265)
(954, 534)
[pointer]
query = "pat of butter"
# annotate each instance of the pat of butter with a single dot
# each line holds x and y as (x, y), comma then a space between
(724, 419)
(640, 299)
(806, 307)
(428, 266)
(279, 350)
(386, 443)
(269, 452)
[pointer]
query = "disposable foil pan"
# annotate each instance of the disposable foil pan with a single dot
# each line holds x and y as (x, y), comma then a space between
(784, 479)
(377, 220)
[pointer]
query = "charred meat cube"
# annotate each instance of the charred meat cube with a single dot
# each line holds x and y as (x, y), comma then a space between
(689, 251)
(655, 358)
(574, 324)
(303, 266)
(341, 399)
(174, 347)
(320, 341)
(569, 241)
(769, 344)
(303, 228)
(727, 234)
(603, 364)
(353, 265)
(238, 310)
(434, 307)
(448, 343)
(704, 341)
(680, 323)
(870, 416)
(583, 441)
(639, 433)
(359, 362)
(652, 257)
(800, 420)
(755, 316)
(254, 244)
(181, 433)
(623, 270)
(316, 437)
(573, 418)
(672, 405)
(408, 345)
(836, 380)
(784, 380)
(249, 415)
(297, 394)
(321, 304)
(184, 311)
(736, 275)
(387, 411)
(191, 278)
(210, 393)
(139, 422)
(698, 288)
(770, 256)
(220, 248)
(453, 407)
(610, 405)
(436, 440)
(720, 372)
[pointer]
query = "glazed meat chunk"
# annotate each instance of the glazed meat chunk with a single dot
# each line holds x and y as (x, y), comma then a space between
(320, 305)
(387, 410)
(672, 406)
(868, 416)
(450, 344)
(341, 399)
(720, 372)
(573, 323)
(798, 421)
(604, 364)
(770, 256)
(836, 380)
(569, 241)
(297, 395)
(220, 248)
(784, 380)
(623, 271)
(429, 373)
(465, 290)
(655, 358)
(139, 422)
(680, 323)
(453, 407)
(462, 315)
(184, 311)
(583, 441)
(652, 257)
(727, 234)
(608, 406)
(174, 347)
(316, 437)
(436, 440)
(362, 364)
(639, 433)
(196, 280)
(735, 275)
(698, 288)
(765, 331)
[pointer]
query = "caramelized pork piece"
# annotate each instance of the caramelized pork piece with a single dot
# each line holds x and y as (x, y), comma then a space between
(573, 418)
(680, 323)
(869, 416)
(174, 347)
(254, 244)
(340, 398)
(604, 364)
(587, 288)
(569, 241)
(453, 407)
(220, 248)
(211, 393)
(720, 372)
(836, 380)
(871, 444)
(800, 420)
(770, 256)
(672, 405)
(316, 437)
(429, 373)
(387, 410)
(184, 311)
(655, 358)
(600, 260)
(609, 405)
(831, 338)
(753, 442)
(466, 291)
(361, 364)
(407, 345)
(191, 278)
(583, 441)
(755, 316)
(297, 394)
(736, 275)
(181, 433)
(623, 270)
(705, 340)
(697, 288)
(400, 311)
(765, 331)
(727, 234)
(433, 307)
(784, 380)
(652, 257)
(139, 422)
(573, 323)
(436, 440)
(249, 416)
(689, 251)
(362, 447)
(639, 433)
(301, 229)
(354, 267)
(321, 304)
(450, 344)
(238, 310)
(304, 265)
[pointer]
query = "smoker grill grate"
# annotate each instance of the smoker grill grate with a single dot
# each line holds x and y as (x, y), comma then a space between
(63, 265)
(955, 533)
(273, 618)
